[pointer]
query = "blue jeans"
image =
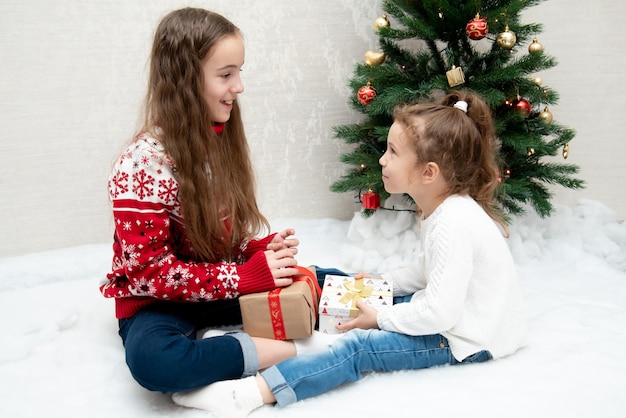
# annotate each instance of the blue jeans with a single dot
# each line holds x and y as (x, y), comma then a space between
(163, 354)
(321, 273)
(353, 354)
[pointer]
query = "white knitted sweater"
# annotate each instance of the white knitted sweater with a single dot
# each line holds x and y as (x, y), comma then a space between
(464, 285)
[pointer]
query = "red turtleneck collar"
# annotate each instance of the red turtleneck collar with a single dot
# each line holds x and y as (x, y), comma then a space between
(218, 127)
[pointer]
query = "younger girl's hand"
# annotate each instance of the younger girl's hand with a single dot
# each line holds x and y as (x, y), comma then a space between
(366, 320)
(281, 265)
(362, 275)
(283, 239)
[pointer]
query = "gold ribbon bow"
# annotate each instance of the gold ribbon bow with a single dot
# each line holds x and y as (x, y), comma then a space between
(356, 290)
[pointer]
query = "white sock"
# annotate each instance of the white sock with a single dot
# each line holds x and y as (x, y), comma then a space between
(316, 343)
(225, 399)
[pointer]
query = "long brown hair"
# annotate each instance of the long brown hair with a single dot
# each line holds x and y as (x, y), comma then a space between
(463, 145)
(216, 180)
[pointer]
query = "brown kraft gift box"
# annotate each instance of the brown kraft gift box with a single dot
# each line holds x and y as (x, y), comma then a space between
(285, 313)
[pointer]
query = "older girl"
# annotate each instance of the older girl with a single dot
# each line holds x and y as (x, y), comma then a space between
(186, 216)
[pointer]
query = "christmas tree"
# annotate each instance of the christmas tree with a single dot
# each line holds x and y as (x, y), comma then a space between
(429, 47)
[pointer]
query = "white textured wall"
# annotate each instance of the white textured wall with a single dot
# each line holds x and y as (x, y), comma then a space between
(72, 80)
(589, 43)
(72, 77)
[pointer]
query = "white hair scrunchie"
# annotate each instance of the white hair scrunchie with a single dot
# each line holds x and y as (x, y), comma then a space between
(461, 105)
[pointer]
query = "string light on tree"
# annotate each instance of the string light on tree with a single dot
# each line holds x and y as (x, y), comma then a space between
(504, 175)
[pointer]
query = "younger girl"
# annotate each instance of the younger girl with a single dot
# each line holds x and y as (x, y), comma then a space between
(186, 216)
(463, 304)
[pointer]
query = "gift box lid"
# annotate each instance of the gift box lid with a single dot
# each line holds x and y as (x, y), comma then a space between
(340, 293)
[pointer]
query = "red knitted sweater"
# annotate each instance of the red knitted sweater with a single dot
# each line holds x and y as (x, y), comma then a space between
(152, 259)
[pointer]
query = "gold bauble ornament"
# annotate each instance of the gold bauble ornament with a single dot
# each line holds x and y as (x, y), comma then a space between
(535, 47)
(381, 22)
(546, 115)
(374, 58)
(506, 39)
(537, 80)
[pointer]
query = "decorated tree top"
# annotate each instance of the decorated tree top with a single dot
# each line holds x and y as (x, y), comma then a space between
(427, 48)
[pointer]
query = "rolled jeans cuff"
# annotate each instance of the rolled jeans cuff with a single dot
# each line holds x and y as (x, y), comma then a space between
(283, 393)
(248, 350)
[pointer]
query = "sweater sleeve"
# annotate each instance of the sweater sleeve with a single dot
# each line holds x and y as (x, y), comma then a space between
(406, 280)
(438, 306)
(256, 245)
(149, 241)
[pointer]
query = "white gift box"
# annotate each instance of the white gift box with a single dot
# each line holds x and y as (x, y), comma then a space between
(339, 296)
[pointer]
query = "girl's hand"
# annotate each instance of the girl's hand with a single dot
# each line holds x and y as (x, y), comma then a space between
(283, 239)
(362, 275)
(280, 264)
(366, 320)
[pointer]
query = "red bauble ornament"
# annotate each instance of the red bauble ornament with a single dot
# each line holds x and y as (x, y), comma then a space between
(366, 94)
(477, 28)
(523, 106)
(370, 200)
